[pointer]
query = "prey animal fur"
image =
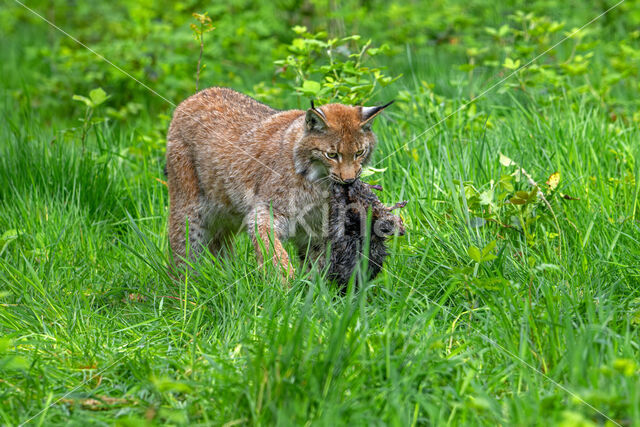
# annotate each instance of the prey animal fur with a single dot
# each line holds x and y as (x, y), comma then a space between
(348, 213)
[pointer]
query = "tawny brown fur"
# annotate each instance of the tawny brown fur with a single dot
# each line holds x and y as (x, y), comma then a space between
(234, 162)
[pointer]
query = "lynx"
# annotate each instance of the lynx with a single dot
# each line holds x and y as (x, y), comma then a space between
(233, 162)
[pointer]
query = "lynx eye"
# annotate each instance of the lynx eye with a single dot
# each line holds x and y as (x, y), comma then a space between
(331, 155)
(359, 153)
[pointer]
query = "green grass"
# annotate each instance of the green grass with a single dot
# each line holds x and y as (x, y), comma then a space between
(94, 331)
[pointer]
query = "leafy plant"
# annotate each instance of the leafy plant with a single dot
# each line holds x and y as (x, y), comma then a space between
(482, 255)
(10, 360)
(96, 98)
(204, 26)
(332, 69)
(501, 203)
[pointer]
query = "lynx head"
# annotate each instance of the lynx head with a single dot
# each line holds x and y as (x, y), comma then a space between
(337, 142)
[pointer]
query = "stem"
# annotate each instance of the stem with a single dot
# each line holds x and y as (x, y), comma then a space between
(85, 127)
(201, 38)
(472, 62)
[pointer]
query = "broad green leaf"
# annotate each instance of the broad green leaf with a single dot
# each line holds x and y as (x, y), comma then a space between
(467, 67)
(83, 99)
(98, 96)
(167, 384)
(486, 197)
(489, 257)
(298, 29)
(505, 182)
(474, 253)
(311, 87)
(368, 171)
(505, 161)
(510, 64)
(487, 249)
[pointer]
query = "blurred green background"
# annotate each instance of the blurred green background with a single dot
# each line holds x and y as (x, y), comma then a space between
(439, 41)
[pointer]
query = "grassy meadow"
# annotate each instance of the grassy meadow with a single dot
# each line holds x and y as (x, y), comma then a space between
(513, 298)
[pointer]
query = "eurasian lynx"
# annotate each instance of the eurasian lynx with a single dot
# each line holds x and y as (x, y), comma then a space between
(232, 161)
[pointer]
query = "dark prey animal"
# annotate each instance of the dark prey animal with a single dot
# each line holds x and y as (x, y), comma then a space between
(349, 206)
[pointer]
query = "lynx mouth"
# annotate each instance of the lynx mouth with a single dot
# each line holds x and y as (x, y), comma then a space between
(335, 178)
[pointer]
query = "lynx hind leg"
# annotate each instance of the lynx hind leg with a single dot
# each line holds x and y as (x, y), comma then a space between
(188, 235)
(186, 217)
(197, 235)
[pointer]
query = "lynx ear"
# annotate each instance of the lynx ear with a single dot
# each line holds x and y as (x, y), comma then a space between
(315, 119)
(369, 113)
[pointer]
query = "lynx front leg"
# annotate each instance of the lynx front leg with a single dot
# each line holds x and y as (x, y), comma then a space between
(265, 231)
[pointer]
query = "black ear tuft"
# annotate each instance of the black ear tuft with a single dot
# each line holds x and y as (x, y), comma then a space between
(369, 113)
(315, 119)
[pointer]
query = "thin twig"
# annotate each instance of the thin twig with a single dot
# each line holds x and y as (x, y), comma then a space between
(200, 57)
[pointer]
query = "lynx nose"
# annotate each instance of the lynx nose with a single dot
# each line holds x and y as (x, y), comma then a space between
(349, 181)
